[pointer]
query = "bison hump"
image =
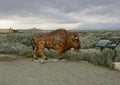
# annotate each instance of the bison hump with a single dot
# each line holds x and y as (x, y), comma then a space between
(57, 39)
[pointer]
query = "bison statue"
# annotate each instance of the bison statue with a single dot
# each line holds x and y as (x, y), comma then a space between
(59, 40)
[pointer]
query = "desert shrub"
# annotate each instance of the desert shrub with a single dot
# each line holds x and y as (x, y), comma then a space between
(7, 48)
(28, 54)
(50, 53)
(104, 59)
(118, 54)
(13, 48)
(71, 56)
(89, 40)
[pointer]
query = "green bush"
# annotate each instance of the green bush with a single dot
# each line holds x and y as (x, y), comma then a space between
(28, 54)
(50, 53)
(104, 59)
(118, 54)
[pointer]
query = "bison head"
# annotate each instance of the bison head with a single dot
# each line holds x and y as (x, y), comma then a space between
(74, 41)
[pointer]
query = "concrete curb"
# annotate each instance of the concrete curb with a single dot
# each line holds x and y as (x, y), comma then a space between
(117, 65)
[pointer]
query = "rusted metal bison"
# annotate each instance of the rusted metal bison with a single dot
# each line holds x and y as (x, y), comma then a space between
(59, 40)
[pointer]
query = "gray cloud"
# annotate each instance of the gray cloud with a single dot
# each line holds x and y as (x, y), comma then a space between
(60, 11)
(100, 26)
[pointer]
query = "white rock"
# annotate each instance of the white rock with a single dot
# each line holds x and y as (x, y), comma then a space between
(117, 65)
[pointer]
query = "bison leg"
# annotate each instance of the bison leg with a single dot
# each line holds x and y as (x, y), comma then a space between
(42, 54)
(34, 53)
(59, 54)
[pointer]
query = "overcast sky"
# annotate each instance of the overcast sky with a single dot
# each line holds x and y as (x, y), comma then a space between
(54, 14)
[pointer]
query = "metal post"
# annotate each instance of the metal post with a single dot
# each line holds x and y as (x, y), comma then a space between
(101, 49)
(115, 54)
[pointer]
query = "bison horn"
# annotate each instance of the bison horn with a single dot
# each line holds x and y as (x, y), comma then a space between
(76, 37)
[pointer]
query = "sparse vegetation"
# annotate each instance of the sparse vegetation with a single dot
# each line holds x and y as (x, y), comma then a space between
(19, 44)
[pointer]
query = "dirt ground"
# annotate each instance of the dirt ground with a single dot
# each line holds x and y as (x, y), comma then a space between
(23, 71)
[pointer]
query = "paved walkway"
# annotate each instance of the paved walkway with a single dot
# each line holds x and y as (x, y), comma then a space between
(26, 72)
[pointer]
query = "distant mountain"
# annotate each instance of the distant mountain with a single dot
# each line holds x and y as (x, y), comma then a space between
(99, 27)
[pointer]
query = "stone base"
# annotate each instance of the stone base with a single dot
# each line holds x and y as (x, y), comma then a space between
(50, 60)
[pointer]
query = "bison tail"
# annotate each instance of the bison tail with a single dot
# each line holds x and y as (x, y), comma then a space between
(33, 44)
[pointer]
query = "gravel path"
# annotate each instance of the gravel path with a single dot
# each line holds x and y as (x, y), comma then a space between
(26, 72)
